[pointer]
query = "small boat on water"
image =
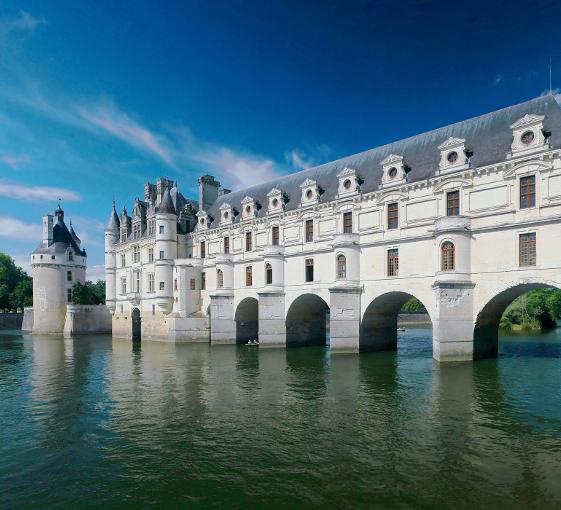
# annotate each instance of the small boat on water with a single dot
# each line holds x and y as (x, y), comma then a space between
(252, 342)
(401, 329)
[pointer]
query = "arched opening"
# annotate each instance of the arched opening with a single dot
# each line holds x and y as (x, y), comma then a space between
(219, 279)
(379, 327)
(341, 267)
(307, 321)
(524, 309)
(448, 256)
(268, 274)
(136, 324)
(247, 320)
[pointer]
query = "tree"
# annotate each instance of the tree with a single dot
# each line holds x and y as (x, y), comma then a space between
(413, 306)
(89, 293)
(16, 287)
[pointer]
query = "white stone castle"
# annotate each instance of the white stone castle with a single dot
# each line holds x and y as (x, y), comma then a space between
(465, 218)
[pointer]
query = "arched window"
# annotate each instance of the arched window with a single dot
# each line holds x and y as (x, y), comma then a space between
(268, 274)
(448, 256)
(219, 278)
(341, 266)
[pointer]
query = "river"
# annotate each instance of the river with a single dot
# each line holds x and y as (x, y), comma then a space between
(95, 423)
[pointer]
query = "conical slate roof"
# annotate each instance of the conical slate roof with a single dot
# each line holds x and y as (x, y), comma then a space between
(113, 223)
(166, 205)
(73, 234)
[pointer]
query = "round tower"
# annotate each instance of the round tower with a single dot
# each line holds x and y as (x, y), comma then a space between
(111, 238)
(165, 251)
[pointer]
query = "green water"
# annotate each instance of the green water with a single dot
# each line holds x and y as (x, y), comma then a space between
(96, 423)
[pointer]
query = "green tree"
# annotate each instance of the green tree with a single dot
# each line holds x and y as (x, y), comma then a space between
(413, 306)
(13, 277)
(89, 293)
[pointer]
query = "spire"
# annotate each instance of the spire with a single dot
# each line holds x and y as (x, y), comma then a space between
(113, 223)
(59, 213)
(166, 205)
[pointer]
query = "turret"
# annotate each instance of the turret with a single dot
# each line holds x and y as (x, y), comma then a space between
(208, 191)
(111, 238)
(165, 249)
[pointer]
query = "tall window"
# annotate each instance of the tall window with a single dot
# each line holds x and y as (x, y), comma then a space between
(162, 255)
(203, 249)
(162, 285)
(309, 270)
(527, 249)
(248, 239)
(341, 266)
(393, 262)
(453, 203)
(192, 284)
(393, 215)
(136, 254)
(447, 256)
(226, 245)
(68, 276)
(69, 295)
(219, 278)
(275, 235)
(268, 274)
(203, 281)
(348, 222)
(175, 284)
(309, 227)
(248, 276)
(150, 254)
(137, 281)
(123, 260)
(151, 227)
(161, 229)
(123, 285)
(70, 256)
(151, 287)
(527, 191)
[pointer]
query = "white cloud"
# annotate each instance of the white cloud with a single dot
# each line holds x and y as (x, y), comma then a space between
(25, 22)
(16, 229)
(23, 262)
(13, 160)
(36, 193)
(298, 159)
(498, 79)
(95, 273)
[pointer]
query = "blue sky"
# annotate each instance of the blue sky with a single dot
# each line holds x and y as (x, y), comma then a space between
(98, 97)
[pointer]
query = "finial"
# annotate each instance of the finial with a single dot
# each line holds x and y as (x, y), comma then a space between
(59, 203)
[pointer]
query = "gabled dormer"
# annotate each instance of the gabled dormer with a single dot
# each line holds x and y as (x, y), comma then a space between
(310, 192)
(348, 182)
(527, 135)
(226, 214)
(249, 209)
(276, 201)
(394, 171)
(202, 220)
(453, 155)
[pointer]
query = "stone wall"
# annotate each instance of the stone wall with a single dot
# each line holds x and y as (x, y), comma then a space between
(413, 319)
(87, 319)
(11, 320)
(27, 324)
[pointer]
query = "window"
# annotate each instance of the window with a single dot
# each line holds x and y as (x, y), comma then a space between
(268, 274)
(527, 192)
(203, 249)
(161, 229)
(452, 157)
(68, 276)
(136, 231)
(248, 276)
(161, 255)
(348, 222)
(226, 245)
(309, 231)
(53, 257)
(275, 235)
(341, 266)
(136, 254)
(309, 270)
(69, 295)
(448, 256)
(150, 254)
(453, 203)
(192, 284)
(203, 280)
(175, 284)
(393, 216)
(527, 249)
(527, 138)
(162, 285)
(151, 287)
(151, 227)
(123, 260)
(248, 241)
(393, 262)
(70, 256)
(123, 286)
(137, 281)
(153, 309)
(219, 278)
(123, 236)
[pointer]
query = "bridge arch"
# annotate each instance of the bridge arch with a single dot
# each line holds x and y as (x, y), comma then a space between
(488, 317)
(307, 321)
(247, 320)
(378, 327)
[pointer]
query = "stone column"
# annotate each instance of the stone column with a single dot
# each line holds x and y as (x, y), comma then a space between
(222, 312)
(344, 323)
(272, 322)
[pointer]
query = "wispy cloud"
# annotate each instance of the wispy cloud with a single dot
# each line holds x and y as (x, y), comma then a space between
(300, 159)
(24, 22)
(498, 79)
(13, 160)
(36, 193)
(16, 229)
(95, 273)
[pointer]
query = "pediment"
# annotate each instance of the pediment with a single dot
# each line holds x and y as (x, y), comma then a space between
(452, 142)
(451, 183)
(391, 159)
(391, 196)
(274, 192)
(346, 172)
(528, 120)
(308, 183)
(224, 206)
(527, 167)
(247, 200)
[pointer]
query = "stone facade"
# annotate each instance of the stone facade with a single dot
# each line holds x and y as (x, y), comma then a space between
(465, 218)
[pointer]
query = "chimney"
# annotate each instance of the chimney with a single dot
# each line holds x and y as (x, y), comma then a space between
(223, 191)
(208, 191)
(47, 230)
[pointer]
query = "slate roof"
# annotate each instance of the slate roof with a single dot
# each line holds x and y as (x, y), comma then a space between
(62, 239)
(488, 137)
(166, 205)
(113, 223)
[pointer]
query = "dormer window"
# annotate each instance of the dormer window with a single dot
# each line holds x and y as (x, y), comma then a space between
(202, 220)
(453, 155)
(310, 192)
(226, 215)
(276, 200)
(248, 208)
(528, 135)
(348, 182)
(393, 171)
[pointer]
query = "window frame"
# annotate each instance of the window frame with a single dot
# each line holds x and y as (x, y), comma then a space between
(453, 203)
(226, 244)
(249, 276)
(268, 274)
(275, 235)
(393, 215)
(309, 230)
(447, 256)
(527, 249)
(348, 222)
(341, 267)
(392, 264)
(248, 241)
(309, 273)
(527, 191)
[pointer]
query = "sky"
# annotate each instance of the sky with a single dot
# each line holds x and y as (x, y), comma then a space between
(97, 98)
